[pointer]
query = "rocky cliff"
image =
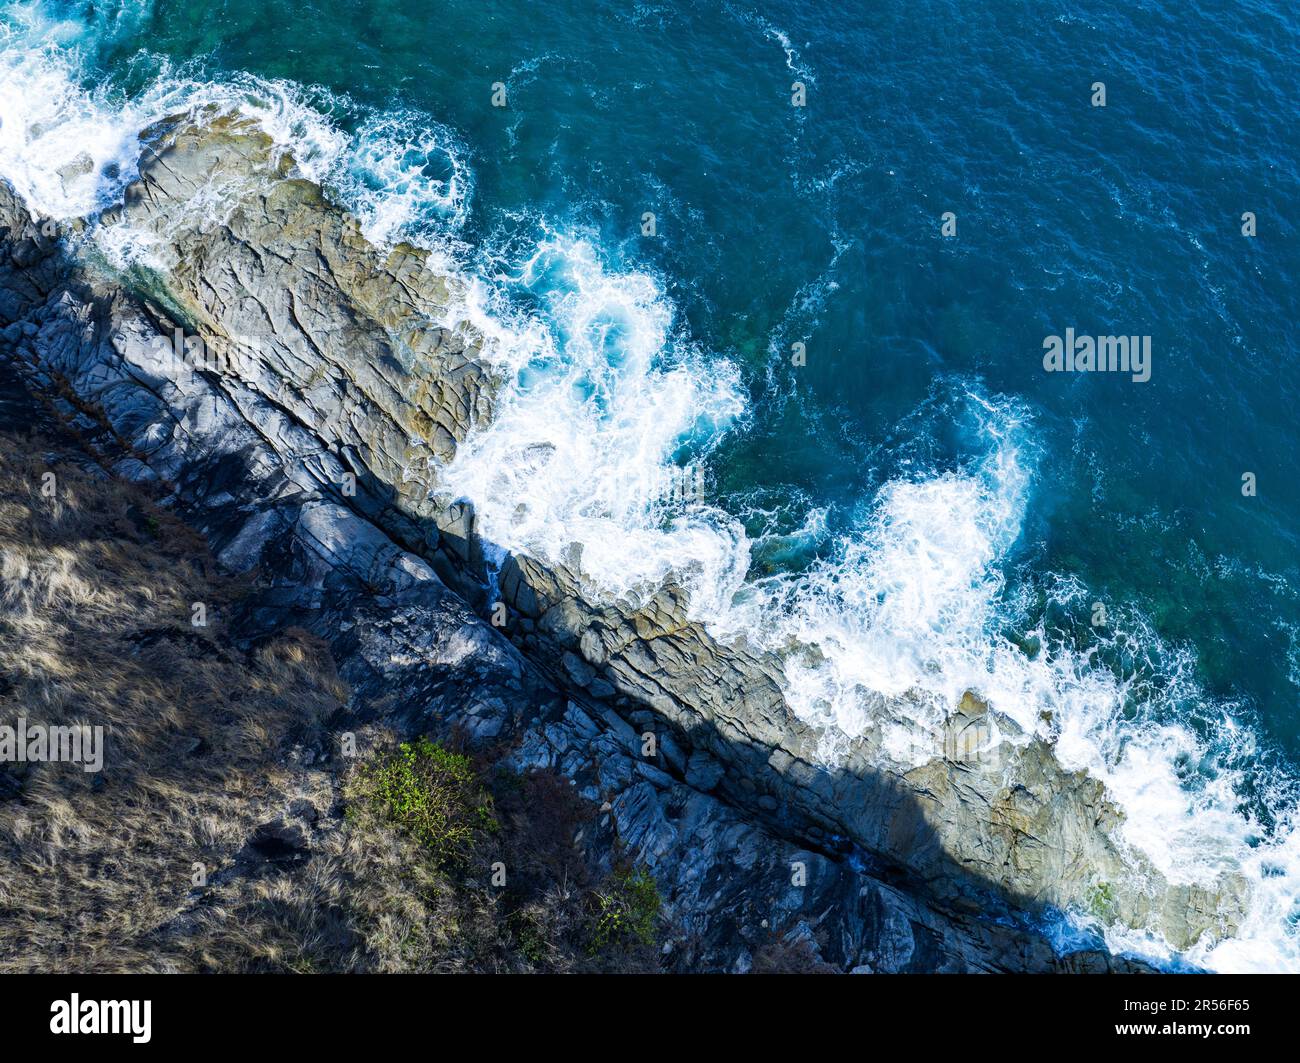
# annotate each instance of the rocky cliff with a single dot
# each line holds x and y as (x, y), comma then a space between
(307, 452)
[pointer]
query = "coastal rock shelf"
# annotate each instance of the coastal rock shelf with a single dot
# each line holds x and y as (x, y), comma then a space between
(310, 449)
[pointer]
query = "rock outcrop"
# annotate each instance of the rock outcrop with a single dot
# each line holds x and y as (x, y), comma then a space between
(334, 380)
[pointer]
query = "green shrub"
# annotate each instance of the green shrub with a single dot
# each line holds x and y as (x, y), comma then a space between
(1101, 902)
(530, 936)
(432, 794)
(627, 909)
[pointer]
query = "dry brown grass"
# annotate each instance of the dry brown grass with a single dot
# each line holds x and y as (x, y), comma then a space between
(223, 755)
(96, 589)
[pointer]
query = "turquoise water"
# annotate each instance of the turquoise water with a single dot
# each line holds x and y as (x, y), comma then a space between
(920, 498)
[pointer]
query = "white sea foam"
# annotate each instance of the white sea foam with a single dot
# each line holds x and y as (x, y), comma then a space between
(793, 61)
(70, 149)
(402, 171)
(607, 411)
(58, 146)
(915, 601)
(599, 402)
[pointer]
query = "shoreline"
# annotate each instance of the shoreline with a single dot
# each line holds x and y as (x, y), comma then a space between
(353, 374)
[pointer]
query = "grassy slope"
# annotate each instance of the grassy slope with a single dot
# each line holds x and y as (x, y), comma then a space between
(223, 755)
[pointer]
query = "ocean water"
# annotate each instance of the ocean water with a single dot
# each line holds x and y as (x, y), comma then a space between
(917, 504)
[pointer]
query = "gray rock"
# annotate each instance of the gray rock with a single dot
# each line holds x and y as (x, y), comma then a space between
(579, 670)
(79, 167)
(598, 688)
(703, 772)
(341, 373)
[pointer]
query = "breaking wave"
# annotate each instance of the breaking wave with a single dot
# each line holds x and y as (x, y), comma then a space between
(600, 457)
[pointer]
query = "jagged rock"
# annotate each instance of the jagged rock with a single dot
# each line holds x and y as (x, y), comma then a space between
(703, 772)
(313, 453)
(579, 670)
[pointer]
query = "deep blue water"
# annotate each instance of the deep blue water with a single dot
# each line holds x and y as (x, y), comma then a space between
(821, 224)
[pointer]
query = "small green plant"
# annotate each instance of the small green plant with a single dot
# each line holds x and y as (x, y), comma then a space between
(1101, 902)
(627, 908)
(530, 936)
(432, 794)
